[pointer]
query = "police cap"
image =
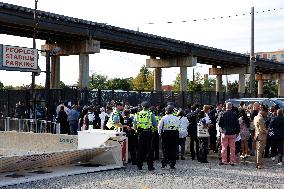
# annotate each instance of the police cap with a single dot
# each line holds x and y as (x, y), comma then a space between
(169, 109)
(119, 103)
(145, 104)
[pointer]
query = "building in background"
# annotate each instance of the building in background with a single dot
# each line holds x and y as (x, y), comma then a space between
(275, 55)
(167, 88)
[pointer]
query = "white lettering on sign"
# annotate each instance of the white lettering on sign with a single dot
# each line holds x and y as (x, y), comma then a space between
(19, 57)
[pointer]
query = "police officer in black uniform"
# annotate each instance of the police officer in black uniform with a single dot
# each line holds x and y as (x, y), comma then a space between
(131, 134)
(144, 122)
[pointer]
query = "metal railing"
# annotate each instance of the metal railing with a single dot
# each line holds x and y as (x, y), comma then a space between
(29, 125)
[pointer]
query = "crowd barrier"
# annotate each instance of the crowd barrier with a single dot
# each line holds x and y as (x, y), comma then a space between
(29, 125)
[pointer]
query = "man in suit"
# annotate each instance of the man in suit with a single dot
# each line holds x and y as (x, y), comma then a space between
(260, 135)
(276, 128)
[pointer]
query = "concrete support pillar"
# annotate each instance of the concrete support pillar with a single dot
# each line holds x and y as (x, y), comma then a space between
(260, 88)
(55, 72)
(242, 83)
(84, 71)
(158, 79)
(281, 88)
(183, 78)
(218, 83)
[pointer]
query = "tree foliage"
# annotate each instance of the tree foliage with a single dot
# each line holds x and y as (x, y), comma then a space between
(176, 85)
(1, 85)
(209, 84)
(144, 80)
(270, 89)
(120, 84)
(233, 87)
(98, 81)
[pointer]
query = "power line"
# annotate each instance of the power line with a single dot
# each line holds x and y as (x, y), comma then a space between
(213, 18)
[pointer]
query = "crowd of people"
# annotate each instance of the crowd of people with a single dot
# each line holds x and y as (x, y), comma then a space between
(231, 132)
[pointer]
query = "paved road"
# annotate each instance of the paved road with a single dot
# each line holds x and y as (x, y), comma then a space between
(188, 174)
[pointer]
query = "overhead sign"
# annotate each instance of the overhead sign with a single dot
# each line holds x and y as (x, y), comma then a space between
(18, 59)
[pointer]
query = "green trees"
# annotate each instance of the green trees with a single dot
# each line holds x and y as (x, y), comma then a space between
(120, 84)
(98, 81)
(1, 85)
(144, 80)
(270, 89)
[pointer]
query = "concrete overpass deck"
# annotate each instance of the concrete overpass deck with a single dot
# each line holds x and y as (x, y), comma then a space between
(17, 20)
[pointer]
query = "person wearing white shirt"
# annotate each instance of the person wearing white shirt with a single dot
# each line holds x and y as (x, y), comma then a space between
(103, 116)
(169, 131)
(182, 134)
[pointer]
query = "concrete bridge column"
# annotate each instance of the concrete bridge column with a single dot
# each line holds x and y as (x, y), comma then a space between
(84, 71)
(183, 78)
(260, 88)
(55, 72)
(158, 79)
(218, 83)
(241, 88)
(280, 88)
(218, 86)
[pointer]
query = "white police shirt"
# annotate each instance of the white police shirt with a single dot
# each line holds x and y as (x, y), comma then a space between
(168, 120)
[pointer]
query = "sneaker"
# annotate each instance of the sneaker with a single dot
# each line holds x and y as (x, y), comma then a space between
(243, 157)
(221, 163)
(232, 164)
(273, 158)
(280, 163)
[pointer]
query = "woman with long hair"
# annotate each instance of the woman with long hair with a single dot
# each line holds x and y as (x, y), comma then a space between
(244, 122)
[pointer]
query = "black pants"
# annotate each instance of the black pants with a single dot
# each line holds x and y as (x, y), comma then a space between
(169, 143)
(203, 149)
(145, 148)
(181, 143)
(156, 143)
(132, 145)
(277, 147)
(267, 147)
(192, 151)
(213, 138)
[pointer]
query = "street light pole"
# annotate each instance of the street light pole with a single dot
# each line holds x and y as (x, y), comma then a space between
(252, 58)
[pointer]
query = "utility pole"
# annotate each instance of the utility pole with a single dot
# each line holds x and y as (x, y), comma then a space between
(34, 42)
(33, 73)
(252, 58)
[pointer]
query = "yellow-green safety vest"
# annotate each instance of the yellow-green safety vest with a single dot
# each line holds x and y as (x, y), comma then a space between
(144, 120)
(110, 124)
(158, 120)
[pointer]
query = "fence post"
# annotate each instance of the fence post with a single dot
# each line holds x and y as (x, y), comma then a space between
(99, 97)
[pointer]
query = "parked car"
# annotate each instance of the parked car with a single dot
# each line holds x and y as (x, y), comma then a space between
(265, 101)
(247, 101)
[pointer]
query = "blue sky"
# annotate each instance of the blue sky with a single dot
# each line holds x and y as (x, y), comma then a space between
(228, 33)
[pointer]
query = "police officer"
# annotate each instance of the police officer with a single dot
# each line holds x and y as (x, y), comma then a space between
(131, 135)
(169, 131)
(156, 140)
(144, 122)
(116, 120)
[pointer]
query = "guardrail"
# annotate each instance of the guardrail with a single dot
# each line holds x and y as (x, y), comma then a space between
(29, 125)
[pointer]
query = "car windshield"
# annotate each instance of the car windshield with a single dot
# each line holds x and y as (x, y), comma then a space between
(280, 103)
